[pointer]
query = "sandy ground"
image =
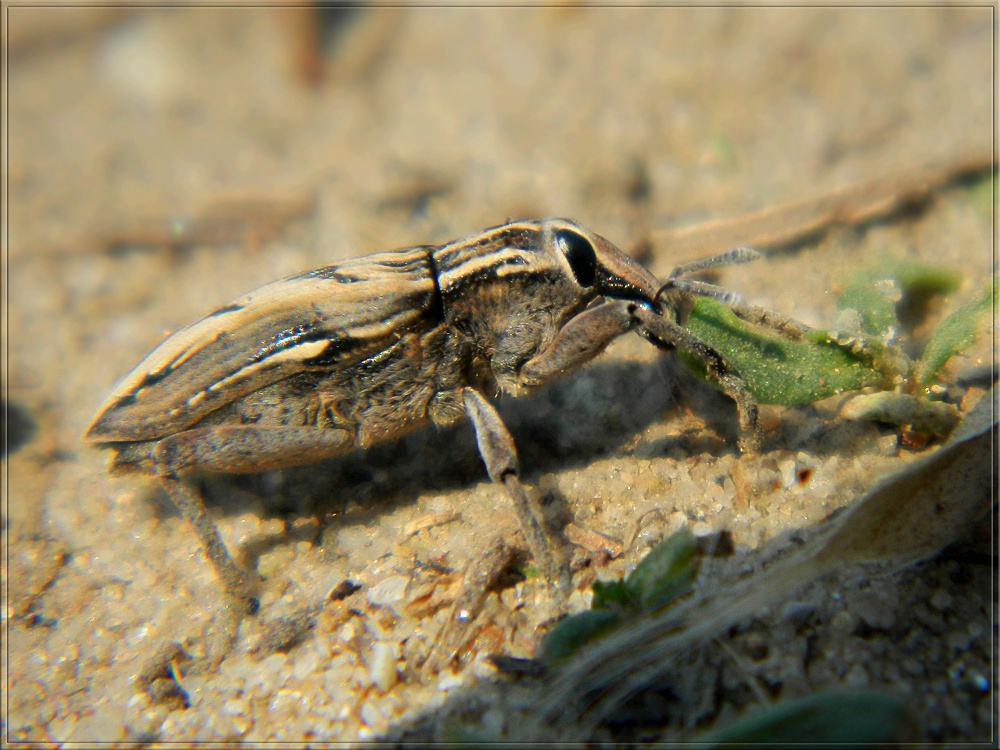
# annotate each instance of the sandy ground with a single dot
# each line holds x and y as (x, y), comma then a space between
(161, 162)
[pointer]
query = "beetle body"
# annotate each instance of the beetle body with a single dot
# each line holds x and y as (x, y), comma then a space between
(353, 354)
(376, 346)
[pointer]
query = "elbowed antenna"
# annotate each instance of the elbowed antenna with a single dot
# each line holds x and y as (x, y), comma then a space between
(736, 256)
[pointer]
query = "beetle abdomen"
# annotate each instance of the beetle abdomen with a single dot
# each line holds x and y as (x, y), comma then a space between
(325, 319)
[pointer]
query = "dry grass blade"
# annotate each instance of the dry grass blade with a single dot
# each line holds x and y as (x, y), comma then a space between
(243, 218)
(913, 513)
(802, 220)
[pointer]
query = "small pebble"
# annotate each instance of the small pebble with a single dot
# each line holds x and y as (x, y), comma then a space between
(449, 681)
(876, 610)
(492, 722)
(382, 666)
(856, 676)
(370, 714)
(941, 600)
(61, 727)
(843, 621)
(979, 682)
(959, 640)
(797, 614)
(305, 665)
(387, 592)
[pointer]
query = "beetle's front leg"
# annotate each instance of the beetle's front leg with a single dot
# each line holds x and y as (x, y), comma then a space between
(579, 341)
(586, 335)
(668, 333)
(496, 446)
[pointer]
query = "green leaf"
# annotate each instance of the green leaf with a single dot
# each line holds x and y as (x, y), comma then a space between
(835, 716)
(610, 595)
(874, 300)
(885, 290)
(890, 289)
(570, 634)
(662, 575)
(954, 334)
(665, 572)
(776, 370)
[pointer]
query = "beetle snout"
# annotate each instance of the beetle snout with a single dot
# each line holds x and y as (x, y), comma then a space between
(620, 277)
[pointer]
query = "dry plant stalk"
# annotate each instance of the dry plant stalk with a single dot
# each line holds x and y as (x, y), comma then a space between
(799, 221)
(242, 217)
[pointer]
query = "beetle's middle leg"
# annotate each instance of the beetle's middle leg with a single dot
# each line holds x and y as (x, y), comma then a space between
(496, 446)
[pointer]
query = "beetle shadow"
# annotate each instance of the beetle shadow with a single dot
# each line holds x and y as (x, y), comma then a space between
(601, 410)
(565, 424)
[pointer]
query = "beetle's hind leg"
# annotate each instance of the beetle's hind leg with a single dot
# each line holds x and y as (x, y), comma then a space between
(160, 677)
(669, 334)
(241, 585)
(236, 449)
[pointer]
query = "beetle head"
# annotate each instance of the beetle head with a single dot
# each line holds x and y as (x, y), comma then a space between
(598, 265)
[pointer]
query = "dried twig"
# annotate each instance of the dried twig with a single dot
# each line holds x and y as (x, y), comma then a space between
(799, 221)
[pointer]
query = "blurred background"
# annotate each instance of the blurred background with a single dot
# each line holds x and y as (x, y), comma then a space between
(161, 161)
(404, 123)
(296, 136)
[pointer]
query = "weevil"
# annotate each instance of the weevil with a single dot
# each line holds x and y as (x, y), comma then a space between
(349, 355)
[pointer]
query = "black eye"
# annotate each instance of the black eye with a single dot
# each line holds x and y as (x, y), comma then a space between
(580, 254)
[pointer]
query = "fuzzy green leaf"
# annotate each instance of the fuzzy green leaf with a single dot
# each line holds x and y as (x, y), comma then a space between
(834, 716)
(874, 300)
(665, 572)
(954, 334)
(776, 370)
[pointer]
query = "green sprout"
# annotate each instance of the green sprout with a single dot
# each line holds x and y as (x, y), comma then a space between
(856, 716)
(663, 575)
(826, 363)
(954, 334)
